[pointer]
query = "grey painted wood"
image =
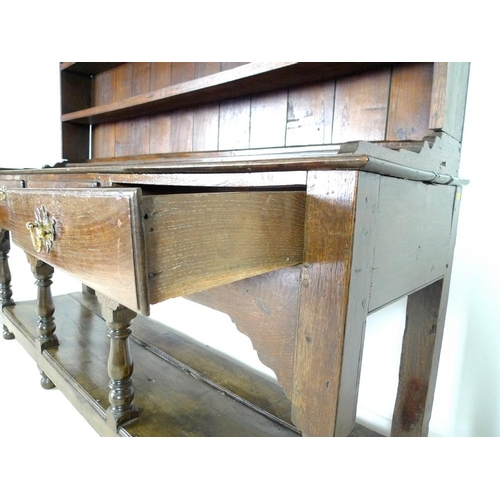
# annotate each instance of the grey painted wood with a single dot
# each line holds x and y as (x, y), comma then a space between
(357, 309)
(414, 223)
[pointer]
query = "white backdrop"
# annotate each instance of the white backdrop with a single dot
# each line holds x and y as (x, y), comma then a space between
(467, 401)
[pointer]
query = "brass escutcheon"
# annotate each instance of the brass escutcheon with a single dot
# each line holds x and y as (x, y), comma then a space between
(3, 193)
(42, 230)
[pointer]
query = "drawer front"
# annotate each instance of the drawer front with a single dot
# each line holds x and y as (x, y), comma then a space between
(95, 235)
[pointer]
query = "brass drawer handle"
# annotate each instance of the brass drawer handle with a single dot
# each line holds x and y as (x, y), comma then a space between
(42, 230)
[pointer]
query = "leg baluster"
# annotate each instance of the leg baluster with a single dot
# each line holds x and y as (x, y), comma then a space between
(5, 277)
(120, 364)
(44, 304)
(46, 326)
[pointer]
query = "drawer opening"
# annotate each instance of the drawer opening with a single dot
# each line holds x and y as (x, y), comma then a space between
(154, 190)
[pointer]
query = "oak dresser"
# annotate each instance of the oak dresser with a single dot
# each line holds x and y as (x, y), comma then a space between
(298, 198)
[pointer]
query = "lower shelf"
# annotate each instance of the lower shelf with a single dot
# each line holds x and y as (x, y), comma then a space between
(174, 399)
(182, 388)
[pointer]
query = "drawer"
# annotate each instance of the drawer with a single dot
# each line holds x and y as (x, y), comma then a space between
(96, 236)
(142, 249)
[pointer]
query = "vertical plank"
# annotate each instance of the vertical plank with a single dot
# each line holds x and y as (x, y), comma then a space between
(422, 313)
(161, 75)
(141, 80)
(230, 65)
(206, 68)
(234, 125)
(181, 128)
(123, 90)
(206, 118)
(358, 302)
(104, 135)
(268, 119)
(206, 128)
(361, 107)
(310, 114)
(159, 125)
(449, 95)
(323, 299)
(410, 102)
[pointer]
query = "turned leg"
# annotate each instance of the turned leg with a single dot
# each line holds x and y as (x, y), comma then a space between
(5, 277)
(46, 325)
(44, 304)
(120, 364)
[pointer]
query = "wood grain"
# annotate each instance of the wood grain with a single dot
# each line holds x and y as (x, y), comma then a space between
(422, 314)
(104, 135)
(410, 102)
(361, 107)
(323, 300)
(172, 401)
(98, 238)
(201, 240)
(449, 96)
(310, 114)
(265, 309)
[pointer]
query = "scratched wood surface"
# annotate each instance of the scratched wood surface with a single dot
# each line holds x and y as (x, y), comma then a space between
(419, 339)
(265, 309)
(370, 106)
(323, 300)
(200, 240)
(98, 237)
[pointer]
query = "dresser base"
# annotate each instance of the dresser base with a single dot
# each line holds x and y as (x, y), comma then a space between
(182, 388)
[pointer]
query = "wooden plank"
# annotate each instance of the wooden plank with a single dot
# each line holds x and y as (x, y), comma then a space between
(234, 125)
(244, 80)
(449, 96)
(123, 90)
(359, 298)
(410, 102)
(268, 119)
(181, 122)
(206, 118)
(97, 237)
(159, 125)
(361, 107)
(265, 309)
(103, 135)
(323, 300)
(201, 240)
(206, 68)
(414, 224)
(206, 128)
(310, 114)
(210, 365)
(141, 83)
(422, 314)
(171, 399)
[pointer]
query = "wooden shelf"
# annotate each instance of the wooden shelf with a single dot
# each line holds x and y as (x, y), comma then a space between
(87, 68)
(243, 80)
(182, 388)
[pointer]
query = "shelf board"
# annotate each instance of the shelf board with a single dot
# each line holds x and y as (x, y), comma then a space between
(87, 68)
(248, 79)
(174, 399)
